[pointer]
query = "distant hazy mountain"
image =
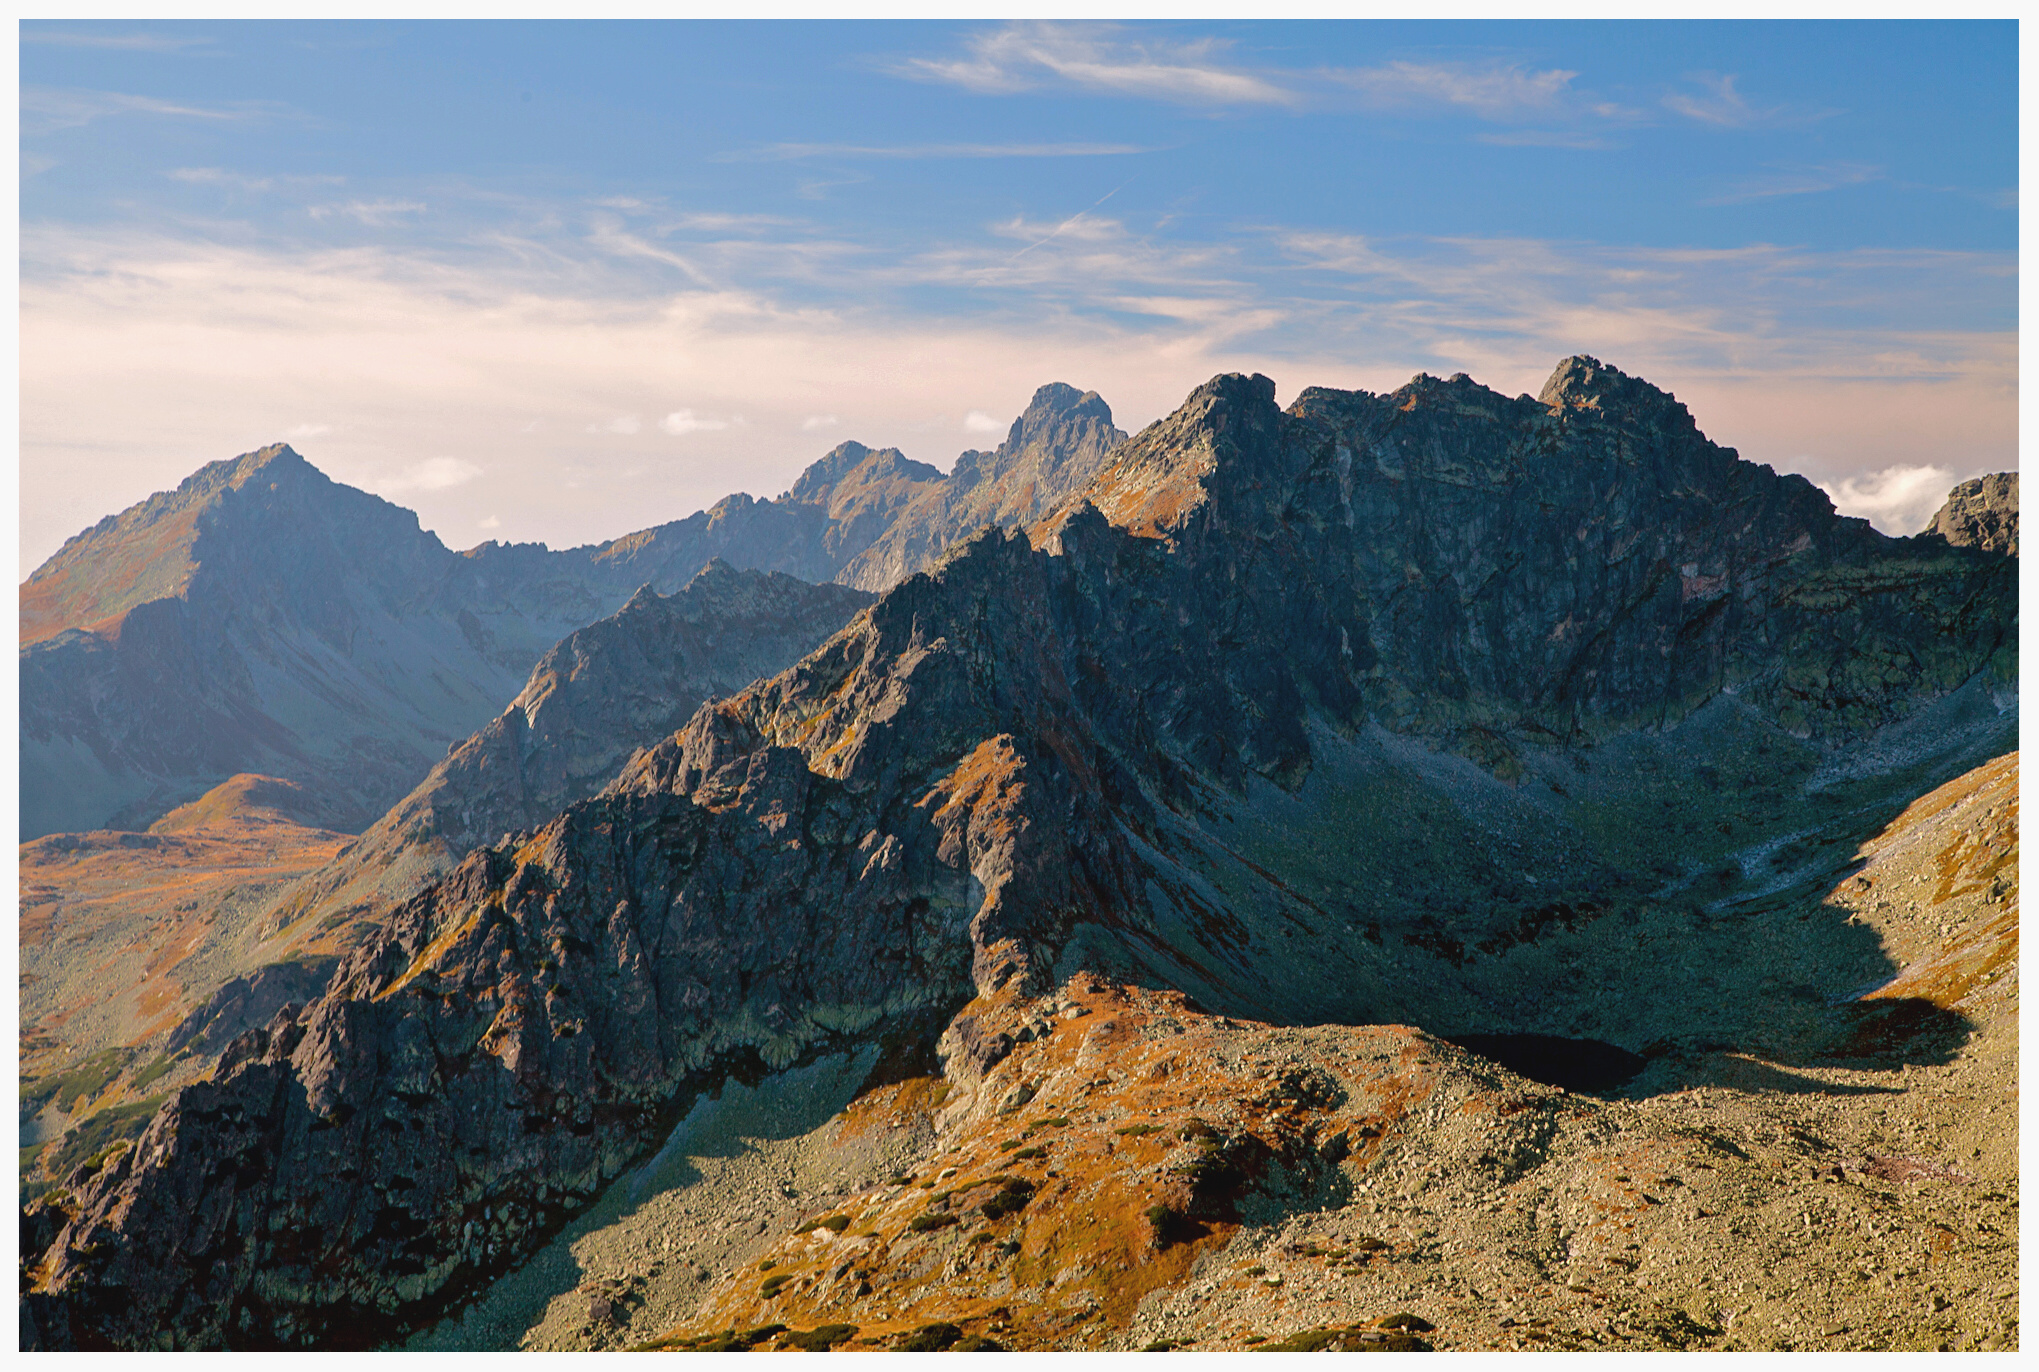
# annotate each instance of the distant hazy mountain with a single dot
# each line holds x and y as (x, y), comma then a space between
(619, 684)
(263, 618)
(833, 512)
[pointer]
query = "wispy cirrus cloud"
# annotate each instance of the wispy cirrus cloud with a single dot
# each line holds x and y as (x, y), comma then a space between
(795, 152)
(47, 109)
(1801, 181)
(729, 223)
(374, 213)
(1546, 138)
(1492, 91)
(240, 181)
(1104, 58)
(1719, 103)
(611, 237)
(121, 42)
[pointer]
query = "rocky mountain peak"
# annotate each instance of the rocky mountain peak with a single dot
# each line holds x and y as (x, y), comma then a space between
(1981, 513)
(275, 459)
(1053, 448)
(153, 549)
(1055, 404)
(852, 465)
(1230, 390)
(1153, 481)
(1586, 383)
(825, 471)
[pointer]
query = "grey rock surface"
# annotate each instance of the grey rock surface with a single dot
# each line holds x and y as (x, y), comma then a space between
(1981, 513)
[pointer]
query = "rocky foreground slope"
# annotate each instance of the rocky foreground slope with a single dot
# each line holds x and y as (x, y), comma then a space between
(1439, 708)
(1138, 1173)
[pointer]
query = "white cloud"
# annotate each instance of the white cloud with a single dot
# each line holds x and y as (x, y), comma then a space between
(48, 109)
(1802, 181)
(687, 422)
(1501, 92)
(610, 237)
(126, 42)
(1099, 57)
(978, 422)
(1544, 138)
(816, 422)
(433, 474)
(621, 424)
(793, 152)
(374, 213)
(1718, 103)
(1898, 500)
(219, 176)
(1080, 228)
(492, 522)
(730, 223)
(818, 187)
(300, 432)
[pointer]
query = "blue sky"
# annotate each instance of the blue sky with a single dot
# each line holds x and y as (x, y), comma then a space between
(561, 280)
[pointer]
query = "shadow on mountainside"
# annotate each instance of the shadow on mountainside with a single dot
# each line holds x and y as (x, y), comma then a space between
(1670, 899)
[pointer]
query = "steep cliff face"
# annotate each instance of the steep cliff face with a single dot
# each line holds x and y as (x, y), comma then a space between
(620, 684)
(1265, 656)
(1052, 450)
(1981, 513)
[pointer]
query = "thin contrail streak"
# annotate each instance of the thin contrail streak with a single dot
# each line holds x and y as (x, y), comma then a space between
(1067, 222)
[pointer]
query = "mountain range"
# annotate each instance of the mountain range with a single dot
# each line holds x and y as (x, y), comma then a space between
(264, 619)
(1537, 719)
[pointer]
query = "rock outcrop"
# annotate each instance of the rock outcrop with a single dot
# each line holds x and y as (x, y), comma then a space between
(1981, 513)
(1164, 738)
